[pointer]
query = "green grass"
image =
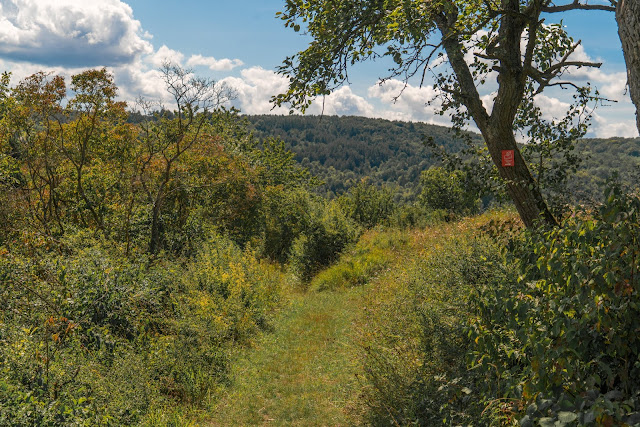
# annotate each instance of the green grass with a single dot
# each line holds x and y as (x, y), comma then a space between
(338, 353)
(304, 373)
(413, 334)
(374, 252)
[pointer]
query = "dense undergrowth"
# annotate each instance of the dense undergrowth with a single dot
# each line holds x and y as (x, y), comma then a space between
(488, 324)
(413, 337)
(560, 337)
(91, 338)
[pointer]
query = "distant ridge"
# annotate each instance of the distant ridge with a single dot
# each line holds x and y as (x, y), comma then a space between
(602, 159)
(343, 150)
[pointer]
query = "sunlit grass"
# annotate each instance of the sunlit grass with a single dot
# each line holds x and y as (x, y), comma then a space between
(304, 373)
(312, 367)
(375, 251)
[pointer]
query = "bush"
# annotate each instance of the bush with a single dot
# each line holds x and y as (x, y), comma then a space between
(91, 338)
(444, 190)
(562, 338)
(70, 321)
(286, 217)
(230, 289)
(414, 338)
(367, 205)
(328, 233)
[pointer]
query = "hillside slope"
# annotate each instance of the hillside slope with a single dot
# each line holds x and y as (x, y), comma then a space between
(343, 150)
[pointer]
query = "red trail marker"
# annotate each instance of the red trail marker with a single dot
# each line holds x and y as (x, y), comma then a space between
(508, 158)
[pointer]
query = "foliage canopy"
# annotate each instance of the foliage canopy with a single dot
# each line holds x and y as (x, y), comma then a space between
(464, 45)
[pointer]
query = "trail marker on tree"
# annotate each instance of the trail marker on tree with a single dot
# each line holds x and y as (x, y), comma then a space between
(508, 158)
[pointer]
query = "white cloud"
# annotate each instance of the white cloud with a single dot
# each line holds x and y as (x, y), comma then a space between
(614, 85)
(138, 80)
(71, 33)
(214, 64)
(165, 54)
(343, 102)
(488, 100)
(410, 103)
(255, 86)
(551, 108)
(607, 127)
(610, 84)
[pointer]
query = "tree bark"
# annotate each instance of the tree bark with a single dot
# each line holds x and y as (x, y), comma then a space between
(155, 239)
(521, 186)
(628, 19)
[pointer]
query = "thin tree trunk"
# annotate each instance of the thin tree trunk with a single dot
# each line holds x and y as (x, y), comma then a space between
(156, 228)
(156, 223)
(628, 18)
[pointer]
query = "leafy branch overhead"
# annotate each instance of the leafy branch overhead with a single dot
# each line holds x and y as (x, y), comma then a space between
(463, 45)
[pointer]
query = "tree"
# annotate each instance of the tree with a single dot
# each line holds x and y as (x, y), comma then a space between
(443, 189)
(628, 18)
(68, 147)
(169, 135)
(479, 40)
(368, 205)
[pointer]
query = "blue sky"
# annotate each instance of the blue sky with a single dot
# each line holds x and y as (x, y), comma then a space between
(241, 43)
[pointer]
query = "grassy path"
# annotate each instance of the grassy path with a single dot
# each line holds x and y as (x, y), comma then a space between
(304, 373)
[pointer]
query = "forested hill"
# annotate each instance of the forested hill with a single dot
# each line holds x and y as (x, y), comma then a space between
(343, 150)
(603, 158)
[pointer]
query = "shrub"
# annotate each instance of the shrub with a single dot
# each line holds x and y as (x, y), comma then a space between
(562, 337)
(286, 216)
(414, 338)
(367, 205)
(69, 322)
(447, 191)
(226, 296)
(228, 287)
(92, 338)
(328, 233)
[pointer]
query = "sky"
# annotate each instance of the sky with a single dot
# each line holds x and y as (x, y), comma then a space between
(241, 42)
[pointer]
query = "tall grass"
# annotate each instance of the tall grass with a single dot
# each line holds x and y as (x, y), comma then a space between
(375, 251)
(413, 335)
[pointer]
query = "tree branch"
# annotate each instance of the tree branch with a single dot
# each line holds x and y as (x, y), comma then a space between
(576, 5)
(556, 67)
(544, 77)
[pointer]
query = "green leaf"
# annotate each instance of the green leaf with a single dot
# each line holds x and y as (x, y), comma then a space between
(547, 422)
(526, 422)
(567, 417)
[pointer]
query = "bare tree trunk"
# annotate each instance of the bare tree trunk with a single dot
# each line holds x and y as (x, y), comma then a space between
(155, 240)
(628, 18)
(156, 228)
